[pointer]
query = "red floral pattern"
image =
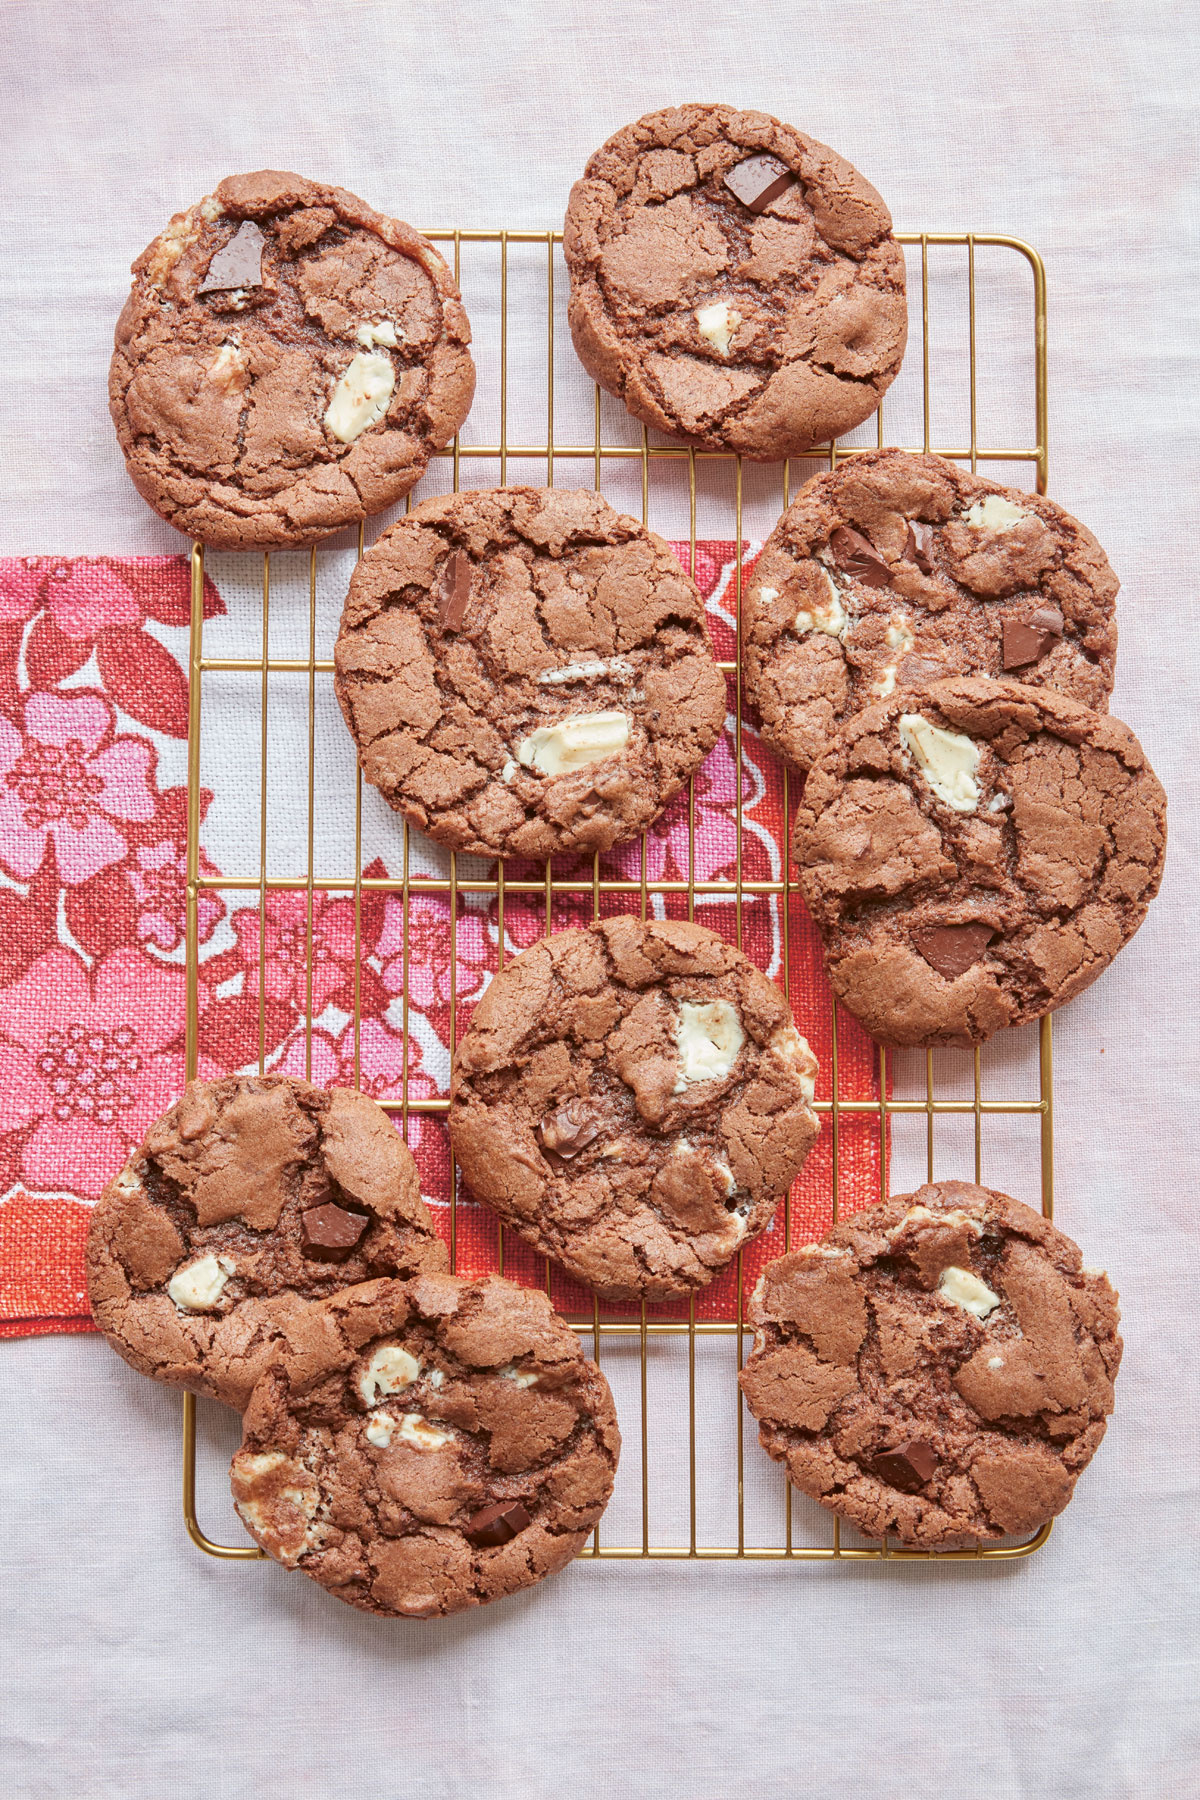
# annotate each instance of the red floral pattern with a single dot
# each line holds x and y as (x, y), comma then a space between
(93, 716)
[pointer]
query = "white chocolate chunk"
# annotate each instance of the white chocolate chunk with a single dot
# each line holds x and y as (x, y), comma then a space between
(885, 682)
(995, 1362)
(198, 1286)
(717, 323)
(948, 760)
(210, 207)
(899, 633)
(831, 618)
(966, 1290)
(995, 513)
(381, 332)
(589, 670)
(509, 769)
(732, 1234)
(521, 1378)
(380, 1427)
(574, 742)
(173, 241)
(998, 803)
(259, 1463)
(286, 1539)
(727, 1176)
(228, 370)
(787, 1043)
(389, 1370)
(709, 1035)
(436, 1377)
(921, 1215)
(361, 397)
(419, 1434)
(766, 595)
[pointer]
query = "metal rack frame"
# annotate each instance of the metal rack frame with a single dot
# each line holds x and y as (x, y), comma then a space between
(640, 1326)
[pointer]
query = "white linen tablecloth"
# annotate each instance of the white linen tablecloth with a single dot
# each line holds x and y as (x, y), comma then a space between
(132, 1666)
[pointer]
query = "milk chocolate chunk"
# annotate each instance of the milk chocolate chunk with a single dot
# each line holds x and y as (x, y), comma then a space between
(494, 1525)
(570, 1128)
(919, 545)
(239, 264)
(1023, 644)
(758, 180)
(907, 1467)
(857, 556)
(952, 949)
(329, 1233)
(453, 590)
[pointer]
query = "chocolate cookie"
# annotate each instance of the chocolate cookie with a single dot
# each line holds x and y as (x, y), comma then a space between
(939, 1367)
(526, 671)
(251, 1197)
(897, 570)
(633, 1099)
(734, 282)
(286, 364)
(437, 1444)
(974, 854)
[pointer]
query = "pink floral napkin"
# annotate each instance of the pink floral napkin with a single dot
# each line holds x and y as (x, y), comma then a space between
(93, 765)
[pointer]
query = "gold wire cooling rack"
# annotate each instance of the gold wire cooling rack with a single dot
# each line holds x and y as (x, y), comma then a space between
(660, 1352)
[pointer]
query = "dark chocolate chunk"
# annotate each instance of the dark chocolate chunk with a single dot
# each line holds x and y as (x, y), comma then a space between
(329, 1233)
(452, 590)
(1025, 642)
(570, 1128)
(493, 1525)
(857, 556)
(907, 1467)
(952, 949)
(1048, 618)
(239, 264)
(919, 545)
(758, 181)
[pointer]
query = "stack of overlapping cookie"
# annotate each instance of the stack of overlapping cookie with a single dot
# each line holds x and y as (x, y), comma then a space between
(524, 672)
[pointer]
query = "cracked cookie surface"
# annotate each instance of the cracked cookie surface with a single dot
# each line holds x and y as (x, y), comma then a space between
(526, 671)
(974, 854)
(939, 1367)
(896, 570)
(437, 1444)
(251, 1197)
(303, 398)
(633, 1099)
(734, 282)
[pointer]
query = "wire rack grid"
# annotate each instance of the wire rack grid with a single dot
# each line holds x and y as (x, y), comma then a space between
(693, 1359)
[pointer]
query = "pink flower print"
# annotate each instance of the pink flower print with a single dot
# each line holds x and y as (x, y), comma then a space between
(84, 1060)
(668, 844)
(285, 946)
(68, 779)
(380, 1066)
(429, 950)
(322, 1066)
(157, 873)
(84, 597)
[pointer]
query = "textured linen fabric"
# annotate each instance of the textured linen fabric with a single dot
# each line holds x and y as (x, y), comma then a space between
(130, 1661)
